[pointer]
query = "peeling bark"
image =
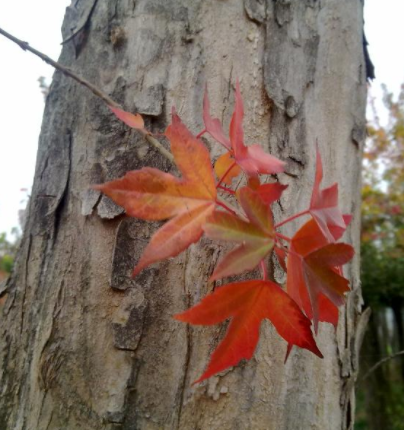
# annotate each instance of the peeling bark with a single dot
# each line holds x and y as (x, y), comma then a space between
(83, 346)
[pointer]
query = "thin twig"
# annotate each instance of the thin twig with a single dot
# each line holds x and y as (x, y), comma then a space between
(66, 71)
(380, 362)
(154, 142)
(104, 97)
(225, 206)
(150, 139)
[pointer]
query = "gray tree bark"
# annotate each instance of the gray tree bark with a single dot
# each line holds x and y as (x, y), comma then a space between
(84, 346)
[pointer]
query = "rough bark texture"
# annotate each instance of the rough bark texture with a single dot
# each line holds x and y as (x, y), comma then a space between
(83, 346)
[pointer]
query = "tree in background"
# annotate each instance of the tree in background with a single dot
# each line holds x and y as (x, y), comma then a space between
(383, 266)
(8, 250)
(6, 257)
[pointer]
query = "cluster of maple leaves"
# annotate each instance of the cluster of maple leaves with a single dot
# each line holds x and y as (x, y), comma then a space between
(312, 258)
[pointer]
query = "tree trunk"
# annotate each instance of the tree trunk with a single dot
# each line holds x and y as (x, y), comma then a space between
(84, 346)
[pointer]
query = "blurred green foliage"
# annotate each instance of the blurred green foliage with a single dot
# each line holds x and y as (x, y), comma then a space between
(383, 207)
(7, 252)
(383, 182)
(380, 397)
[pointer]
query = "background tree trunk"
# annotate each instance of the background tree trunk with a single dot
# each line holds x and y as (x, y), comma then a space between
(83, 346)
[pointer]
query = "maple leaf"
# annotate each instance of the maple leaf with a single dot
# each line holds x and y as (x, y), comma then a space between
(252, 159)
(248, 303)
(130, 119)
(281, 254)
(151, 194)
(256, 236)
(270, 193)
(315, 278)
(213, 125)
(226, 168)
(324, 203)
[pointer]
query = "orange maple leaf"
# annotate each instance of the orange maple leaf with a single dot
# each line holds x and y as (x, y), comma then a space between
(151, 194)
(226, 169)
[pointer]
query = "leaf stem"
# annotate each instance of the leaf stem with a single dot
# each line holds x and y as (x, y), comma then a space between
(225, 174)
(263, 270)
(201, 133)
(289, 251)
(224, 206)
(279, 245)
(292, 218)
(227, 190)
(288, 239)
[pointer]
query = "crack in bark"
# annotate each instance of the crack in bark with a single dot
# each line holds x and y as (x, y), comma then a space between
(189, 344)
(227, 97)
(25, 283)
(64, 195)
(296, 160)
(50, 420)
(81, 27)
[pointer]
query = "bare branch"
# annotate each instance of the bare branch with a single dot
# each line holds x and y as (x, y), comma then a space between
(96, 91)
(380, 362)
(154, 142)
(66, 71)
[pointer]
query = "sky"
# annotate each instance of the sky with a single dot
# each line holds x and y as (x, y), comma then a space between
(22, 103)
(21, 100)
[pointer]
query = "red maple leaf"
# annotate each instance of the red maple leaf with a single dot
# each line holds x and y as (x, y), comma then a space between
(213, 125)
(130, 119)
(324, 204)
(272, 192)
(154, 195)
(255, 236)
(252, 159)
(248, 303)
(315, 278)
